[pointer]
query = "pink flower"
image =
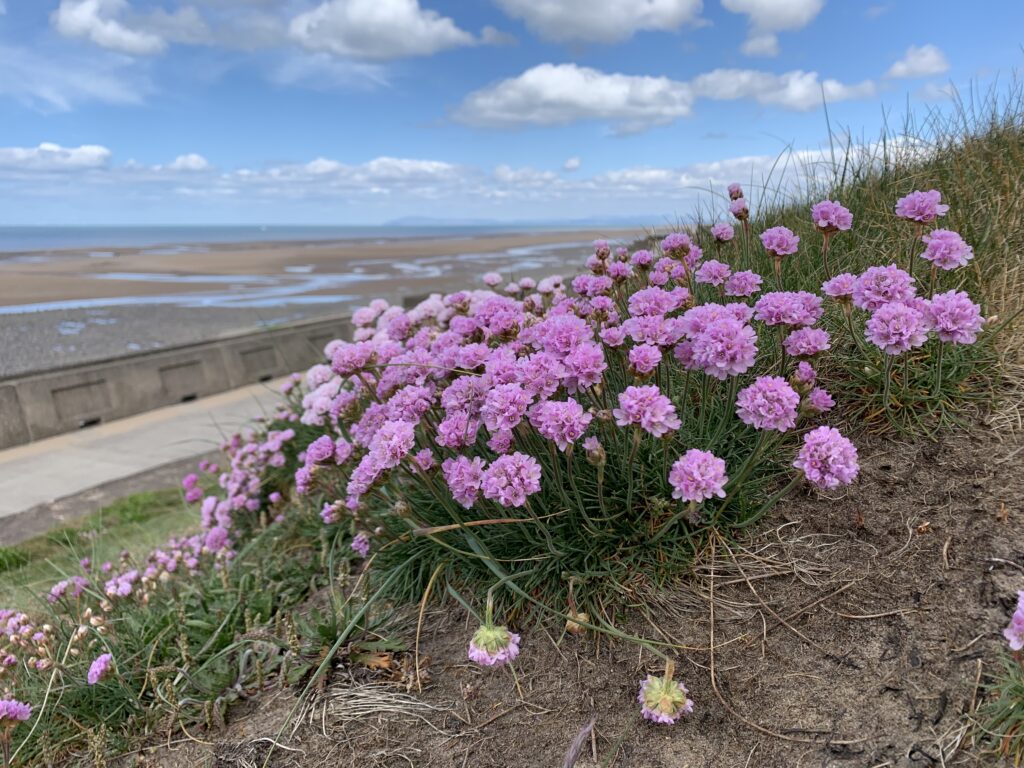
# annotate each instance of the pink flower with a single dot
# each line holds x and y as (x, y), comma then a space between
(361, 544)
(840, 286)
(13, 711)
(458, 429)
(881, 285)
(722, 232)
(663, 700)
(492, 279)
(641, 259)
(1014, 633)
(563, 422)
(805, 374)
(806, 342)
(788, 308)
(739, 209)
(896, 328)
(100, 668)
(827, 459)
(830, 216)
(644, 358)
(726, 347)
(745, 283)
(676, 244)
(924, 207)
(780, 241)
(463, 476)
(647, 407)
(493, 646)
(510, 479)
(392, 443)
(954, 317)
(697, 476)
(735, 191)
(768, 403)
(946, 249)
(652, 302)
(820, 401)
(504, 407)
(712, 272)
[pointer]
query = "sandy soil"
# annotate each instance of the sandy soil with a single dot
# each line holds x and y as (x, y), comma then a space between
(61, 276)
(856, 631)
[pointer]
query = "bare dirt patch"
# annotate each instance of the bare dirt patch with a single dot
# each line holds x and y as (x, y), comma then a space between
(848, 631)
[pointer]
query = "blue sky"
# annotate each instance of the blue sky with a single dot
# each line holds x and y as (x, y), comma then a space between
(360, 111)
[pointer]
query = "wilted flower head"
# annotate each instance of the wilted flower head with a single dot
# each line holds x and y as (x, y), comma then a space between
(878, 286)
(663, 700)
(829, 216)
(1014, 633)
(896, 328)
(735, 191)
(954, 317)
(768, 403)
(827, 459)
(493, 646)
(946, 249)
(100, 668)
(697, 476)
(722, 232)
(647, 407)
(745, 283)
(921, 206)
(780, 241)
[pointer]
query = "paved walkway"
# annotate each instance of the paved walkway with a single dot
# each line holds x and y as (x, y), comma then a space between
(48, 470)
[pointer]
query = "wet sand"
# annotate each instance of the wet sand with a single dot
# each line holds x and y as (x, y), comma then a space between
(63, 308)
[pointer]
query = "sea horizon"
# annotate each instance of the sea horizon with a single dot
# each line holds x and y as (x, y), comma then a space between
(33, 238)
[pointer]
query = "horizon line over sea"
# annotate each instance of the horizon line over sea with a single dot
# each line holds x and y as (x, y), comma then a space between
(30, 238)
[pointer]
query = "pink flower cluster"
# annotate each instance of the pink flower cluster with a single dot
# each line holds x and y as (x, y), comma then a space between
(697, 476)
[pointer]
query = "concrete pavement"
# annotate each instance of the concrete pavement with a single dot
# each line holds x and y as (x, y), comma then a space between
(48, 470)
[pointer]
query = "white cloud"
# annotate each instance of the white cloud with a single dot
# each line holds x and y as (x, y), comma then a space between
(52, 82)
(767, 17)
(554, 94)
(323, 72)
(919, 61)
(53, 157)
(797, 90)
(189, 162)
(97, 21)
(572, 164)
(604, 21)
(376, 29)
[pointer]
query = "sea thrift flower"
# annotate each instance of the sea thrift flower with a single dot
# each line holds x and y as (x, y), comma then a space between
(830, 216)
(504, 407)
(738, 208)
(1014, 633)
(361, 544)
(563, 422)
(840, 287)
(922, 207)
(896, 328)
(768, 403)
(392, 443)
(745, 283)
(726, 347)
(510, 479)
(791, 308)
(463, 476)
(652, 302)
(493, 646)
(946, 249)
(954, 317)
(663, 700)
(779, 241)
(13, 712)
(827, 459)
(676, 245)
(805, 374)
(641, 259)
(697, 476)
(712, 272)
(819, 401)
(722, 232)
(878, 286)
(100, 668)
(647, 407)
(643, 359)
(492, 279)
(806, 342)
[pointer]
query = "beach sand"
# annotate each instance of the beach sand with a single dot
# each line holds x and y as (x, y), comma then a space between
(62, 308)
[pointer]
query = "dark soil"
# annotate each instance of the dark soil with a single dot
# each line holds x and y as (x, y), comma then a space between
(850, 631)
